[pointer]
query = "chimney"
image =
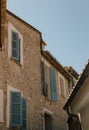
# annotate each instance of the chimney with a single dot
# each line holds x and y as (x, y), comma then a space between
(2, 21)
(43, 45)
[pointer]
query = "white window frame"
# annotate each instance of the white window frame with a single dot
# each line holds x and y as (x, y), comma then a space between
(10, 29)
(9, 89)
(47, 112)
(1, 106)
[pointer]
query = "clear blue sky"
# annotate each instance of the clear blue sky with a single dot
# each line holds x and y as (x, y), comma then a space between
(64, 25)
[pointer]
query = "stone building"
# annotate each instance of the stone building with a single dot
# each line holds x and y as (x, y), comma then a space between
(33, 84)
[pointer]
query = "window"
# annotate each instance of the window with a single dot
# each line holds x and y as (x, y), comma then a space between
(17, 110)
(49, 85)
(15, 44)
(48, 121)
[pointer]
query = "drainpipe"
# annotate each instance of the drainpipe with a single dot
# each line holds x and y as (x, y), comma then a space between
(75, 124)
(71, 114)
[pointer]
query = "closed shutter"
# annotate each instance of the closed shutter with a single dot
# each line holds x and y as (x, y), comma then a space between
(15, 109)
(53, 84)
(62, 87)
(44, 86)
(15, 46)
(23, 114)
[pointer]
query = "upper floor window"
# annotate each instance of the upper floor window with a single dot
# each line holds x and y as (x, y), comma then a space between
(49, 78)
(15, 44)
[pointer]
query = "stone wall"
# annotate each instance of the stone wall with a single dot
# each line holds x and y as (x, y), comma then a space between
(26, 78)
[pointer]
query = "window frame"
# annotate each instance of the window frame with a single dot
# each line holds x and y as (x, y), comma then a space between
(9, 89)
(48, 112)
(11, 29)
(1, 105)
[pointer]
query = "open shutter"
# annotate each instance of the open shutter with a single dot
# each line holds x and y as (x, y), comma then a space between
(15, 109)
(23, 113)
(53, 84)
(44, 86)
(15, 46)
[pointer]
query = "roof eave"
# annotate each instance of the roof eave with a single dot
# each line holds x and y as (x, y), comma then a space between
(77, 87)
(9, 12)
(53, 61)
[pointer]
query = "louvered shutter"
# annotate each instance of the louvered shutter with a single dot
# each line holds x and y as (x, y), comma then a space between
(23, 113)
(44, 86)
(53, 84)
(15, 46)
(15, 109)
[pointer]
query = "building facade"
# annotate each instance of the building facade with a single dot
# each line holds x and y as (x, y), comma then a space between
(20, 75)
(33, 84)
(55, 90)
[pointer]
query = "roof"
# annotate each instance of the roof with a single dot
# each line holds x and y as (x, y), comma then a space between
(78, 86)
(24, 22)
(72, 71)
(57, 65)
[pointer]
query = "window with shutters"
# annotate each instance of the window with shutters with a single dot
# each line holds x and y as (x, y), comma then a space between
(17, 110)
(15, 44)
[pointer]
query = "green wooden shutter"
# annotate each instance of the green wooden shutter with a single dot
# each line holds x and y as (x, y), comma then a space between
(15, 46)
(53, 84)
(23, 113)
(15, 109)
(44, 86)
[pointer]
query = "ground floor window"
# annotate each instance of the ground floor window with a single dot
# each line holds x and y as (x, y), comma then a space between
(48, 121)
